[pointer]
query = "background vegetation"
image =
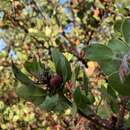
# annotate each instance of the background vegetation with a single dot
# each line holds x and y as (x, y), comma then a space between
(29, 30)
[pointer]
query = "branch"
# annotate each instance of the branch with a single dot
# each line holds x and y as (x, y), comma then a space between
(120, 122)
(97, 120)
(72, 49)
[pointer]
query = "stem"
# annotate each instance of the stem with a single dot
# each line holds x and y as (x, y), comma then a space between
(97, 120)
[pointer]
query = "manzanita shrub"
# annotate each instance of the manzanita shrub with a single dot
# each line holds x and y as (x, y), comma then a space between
(49, 88)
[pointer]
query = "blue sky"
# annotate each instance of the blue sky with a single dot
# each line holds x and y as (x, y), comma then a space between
(63, 1)
(2, 44)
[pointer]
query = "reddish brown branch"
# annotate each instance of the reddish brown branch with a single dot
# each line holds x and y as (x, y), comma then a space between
(97, 120)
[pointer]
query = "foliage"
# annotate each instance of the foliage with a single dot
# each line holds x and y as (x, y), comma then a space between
(49, 47)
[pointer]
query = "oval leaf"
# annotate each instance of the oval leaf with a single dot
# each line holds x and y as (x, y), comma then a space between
(32, 94)
(104, 56)
(28, 89)
(117, 26)
(98, 52)
(21, 76)
(109, 66)
(61, 64)
(82, 101)
(121, 88)
(33, 67)
(118, 46)
(126, 30)
(54, 103)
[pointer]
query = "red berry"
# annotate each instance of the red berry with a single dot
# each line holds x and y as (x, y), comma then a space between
(55, 81)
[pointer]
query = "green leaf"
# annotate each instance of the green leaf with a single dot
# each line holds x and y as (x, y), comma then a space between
(74, 109)
(50, 103)
(28, 89)
(85, 82)
(126, 30)
(25, 91)
(117, 26)
(109, 66)
(91, 98)
(21, 76)
(114, 106)
(122, 88)
(118, 46)
(111, 91)
(110, 98)
(98, 52)
(75, 74)
(61, 64)
(62, 105)
(104, 110)
(54, 103)
(104, 56)
(33, 94)
(34, 67)
(80, 98)
(37, 100)
(82, 101)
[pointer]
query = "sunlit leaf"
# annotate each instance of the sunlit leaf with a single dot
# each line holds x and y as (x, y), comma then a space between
(98, 52)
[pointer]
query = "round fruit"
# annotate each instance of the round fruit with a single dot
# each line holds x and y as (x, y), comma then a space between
(55, 81)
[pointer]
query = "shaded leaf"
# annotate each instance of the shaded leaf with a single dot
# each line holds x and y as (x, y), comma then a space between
(28, 89)
(117, 26)
(21, 76)
(126, 30)
(33, 67)
(110, 99)
(25, 91)
(33, 94)
(50, 103)
(54, 103)
(114, 106)
(111, 91)
(85, 82)
(61, 64)
(82, 101)
(75, 74)
(122, 88)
